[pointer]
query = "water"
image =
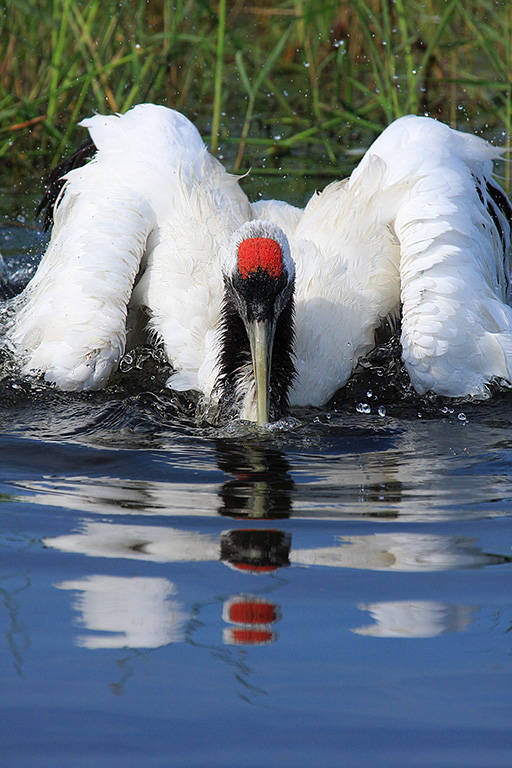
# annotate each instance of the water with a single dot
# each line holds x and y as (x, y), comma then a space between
(333, 591)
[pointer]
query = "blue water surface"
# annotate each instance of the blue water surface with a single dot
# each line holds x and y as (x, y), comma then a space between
(334, 591)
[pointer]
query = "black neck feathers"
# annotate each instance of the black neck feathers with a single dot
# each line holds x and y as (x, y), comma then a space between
(236, 375)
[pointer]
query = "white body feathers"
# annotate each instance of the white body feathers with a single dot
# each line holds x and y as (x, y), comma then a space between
(147, 223)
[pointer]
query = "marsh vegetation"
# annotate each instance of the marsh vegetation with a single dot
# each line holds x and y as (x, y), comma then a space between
(282, 87)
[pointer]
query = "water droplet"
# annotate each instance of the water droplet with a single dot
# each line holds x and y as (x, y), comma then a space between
(461, 416)
(363, 408)
(126, 363)
(381, 410)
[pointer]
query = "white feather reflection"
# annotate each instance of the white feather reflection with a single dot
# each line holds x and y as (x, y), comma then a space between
(139, 542)
(139, 612)
(127, 612)
(107, 496)
(386, 551)
(399, 552)
(415, 619)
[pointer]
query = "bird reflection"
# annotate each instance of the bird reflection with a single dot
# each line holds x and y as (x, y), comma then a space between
(266, 550)
(141, 614)
(256, 551)
(252, 619)
(145, 612)
(261, 486)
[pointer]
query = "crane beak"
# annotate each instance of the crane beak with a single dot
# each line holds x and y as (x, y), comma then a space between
(261, 338)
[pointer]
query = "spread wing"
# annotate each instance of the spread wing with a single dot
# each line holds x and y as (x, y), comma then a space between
(151, 205)
(454, 227)
(419, 229)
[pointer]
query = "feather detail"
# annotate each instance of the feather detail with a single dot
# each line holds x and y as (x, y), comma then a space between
(454, 272)
(420, 229)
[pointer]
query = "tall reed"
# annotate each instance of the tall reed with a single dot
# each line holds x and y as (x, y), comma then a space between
(279, 86)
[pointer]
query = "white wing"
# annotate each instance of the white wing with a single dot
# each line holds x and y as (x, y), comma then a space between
(347, 258)
(152, 198)
(415, 226)
(70, 320)
(454, 269)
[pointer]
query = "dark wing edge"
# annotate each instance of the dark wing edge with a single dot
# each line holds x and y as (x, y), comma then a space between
(500, 210)
(56, 180)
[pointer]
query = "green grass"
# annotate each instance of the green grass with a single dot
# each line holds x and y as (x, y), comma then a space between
(282, 87)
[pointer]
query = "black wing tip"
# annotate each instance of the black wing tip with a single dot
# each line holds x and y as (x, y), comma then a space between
(55, 180)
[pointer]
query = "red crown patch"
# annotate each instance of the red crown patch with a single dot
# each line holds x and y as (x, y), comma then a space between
(260, 252)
